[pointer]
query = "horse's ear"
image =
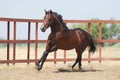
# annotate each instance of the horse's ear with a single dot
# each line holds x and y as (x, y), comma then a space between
(51, 11)
(45, 12)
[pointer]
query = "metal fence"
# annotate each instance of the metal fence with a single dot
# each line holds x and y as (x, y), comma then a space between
(14, 41)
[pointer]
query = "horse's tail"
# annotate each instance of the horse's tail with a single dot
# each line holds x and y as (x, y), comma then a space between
(92, 46)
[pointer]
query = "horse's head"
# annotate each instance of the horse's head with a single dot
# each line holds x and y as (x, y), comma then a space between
(47, 21)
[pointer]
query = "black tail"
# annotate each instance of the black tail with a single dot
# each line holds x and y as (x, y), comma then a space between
(92, 46)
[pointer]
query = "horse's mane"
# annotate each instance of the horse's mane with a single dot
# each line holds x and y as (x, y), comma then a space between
(59, 16)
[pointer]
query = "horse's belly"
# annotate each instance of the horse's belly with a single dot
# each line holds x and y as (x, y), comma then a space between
(67, 45)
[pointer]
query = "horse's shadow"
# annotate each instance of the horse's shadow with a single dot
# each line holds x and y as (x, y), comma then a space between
(70, 70)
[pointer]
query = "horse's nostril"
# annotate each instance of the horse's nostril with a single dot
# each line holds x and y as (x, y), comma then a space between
(43, 30)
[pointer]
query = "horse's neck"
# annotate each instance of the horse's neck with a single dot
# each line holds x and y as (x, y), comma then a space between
(57, 27)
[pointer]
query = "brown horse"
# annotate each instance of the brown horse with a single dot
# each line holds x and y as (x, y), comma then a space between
(63, 38)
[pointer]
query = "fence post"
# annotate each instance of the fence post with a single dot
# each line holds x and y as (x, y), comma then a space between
(64, 56)
(8, 38)
(100, 38)
(65, 52)
(89, 31)
(55, 57)
(28, 50)
(36, 43)
(14, 44)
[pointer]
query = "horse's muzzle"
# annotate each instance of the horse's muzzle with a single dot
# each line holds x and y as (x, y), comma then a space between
(43, 29)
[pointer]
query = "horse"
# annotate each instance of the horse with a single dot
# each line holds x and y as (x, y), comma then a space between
(63, 38)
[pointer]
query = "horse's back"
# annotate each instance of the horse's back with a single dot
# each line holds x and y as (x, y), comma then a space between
(73, 38)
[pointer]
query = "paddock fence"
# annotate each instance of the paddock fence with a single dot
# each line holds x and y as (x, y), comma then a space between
(14, 41)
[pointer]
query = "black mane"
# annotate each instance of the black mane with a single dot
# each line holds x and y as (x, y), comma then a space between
(59, 16)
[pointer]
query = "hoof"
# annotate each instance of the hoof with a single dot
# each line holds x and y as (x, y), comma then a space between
(81, 70)
(37, 63)
(38, 67)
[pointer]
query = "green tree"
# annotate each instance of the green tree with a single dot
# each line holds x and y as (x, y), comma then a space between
(112, 32)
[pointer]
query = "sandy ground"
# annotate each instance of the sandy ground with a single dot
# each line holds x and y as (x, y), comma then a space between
(94, 71)
(107, 70)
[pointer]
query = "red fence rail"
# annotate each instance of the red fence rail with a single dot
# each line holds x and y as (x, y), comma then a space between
(36, 41)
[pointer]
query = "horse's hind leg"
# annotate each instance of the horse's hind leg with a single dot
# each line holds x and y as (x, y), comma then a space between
(79, 56)
(79, 64)
(77, 60)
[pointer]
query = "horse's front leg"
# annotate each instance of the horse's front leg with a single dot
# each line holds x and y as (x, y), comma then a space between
(41, 61)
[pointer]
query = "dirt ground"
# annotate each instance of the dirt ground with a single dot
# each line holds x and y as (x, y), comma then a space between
(107, 70)
(95, 71)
